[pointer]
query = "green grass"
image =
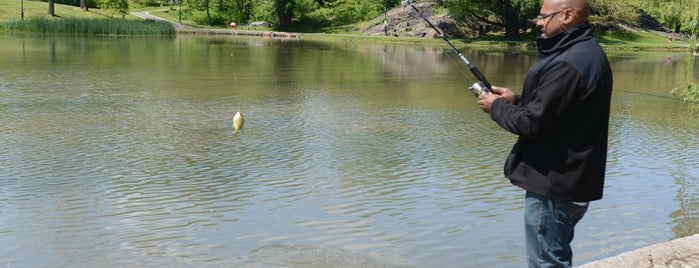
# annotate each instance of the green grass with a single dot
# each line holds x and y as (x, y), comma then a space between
(172, 14)
(87, 26)
(12, 10)
(72, 20)
(640, 40)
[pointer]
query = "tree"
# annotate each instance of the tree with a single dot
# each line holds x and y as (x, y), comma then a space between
(83, 5)
(120, 7)
(614, 11)
(684, 12)
(51, 12)
(284, 9)
(200, 6)
(679, 15)
(208, 13)
(515, 16)
(512, 15)
(243, 10)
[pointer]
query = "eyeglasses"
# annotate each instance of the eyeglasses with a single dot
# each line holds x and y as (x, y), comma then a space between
(544, 16)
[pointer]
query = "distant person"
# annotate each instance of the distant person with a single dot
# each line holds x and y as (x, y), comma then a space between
(562, 120)
(670, 37)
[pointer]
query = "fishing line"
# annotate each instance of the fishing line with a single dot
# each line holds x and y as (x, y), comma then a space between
(657, 96)
(461, 69)
(478, 88)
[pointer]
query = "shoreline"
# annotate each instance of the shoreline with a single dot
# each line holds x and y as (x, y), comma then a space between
(489, 44)
(486, 44)
(521, 45)
(681, 253)
(211, 31)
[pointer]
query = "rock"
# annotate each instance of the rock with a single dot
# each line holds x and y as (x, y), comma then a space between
(259, 24)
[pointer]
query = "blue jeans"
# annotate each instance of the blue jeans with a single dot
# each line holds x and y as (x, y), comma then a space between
(549, 226)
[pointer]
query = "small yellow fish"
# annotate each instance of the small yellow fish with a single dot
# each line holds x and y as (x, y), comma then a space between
(237, 122)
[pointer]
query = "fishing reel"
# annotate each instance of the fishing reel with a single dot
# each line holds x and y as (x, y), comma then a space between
(479, 88)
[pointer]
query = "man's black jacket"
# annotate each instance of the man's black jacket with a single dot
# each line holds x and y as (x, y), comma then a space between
(562, 119)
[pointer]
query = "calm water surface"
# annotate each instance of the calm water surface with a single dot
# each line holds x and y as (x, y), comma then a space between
(120, 152)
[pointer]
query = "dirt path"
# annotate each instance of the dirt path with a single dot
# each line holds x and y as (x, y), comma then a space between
(146, 15)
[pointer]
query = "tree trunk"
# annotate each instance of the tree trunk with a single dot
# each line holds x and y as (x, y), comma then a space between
(51, 12)
(83, 5)
(248, 11)
(208, 15)
(512, 26)
(285, 12)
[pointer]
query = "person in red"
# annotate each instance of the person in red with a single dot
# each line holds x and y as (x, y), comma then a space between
(562, 122)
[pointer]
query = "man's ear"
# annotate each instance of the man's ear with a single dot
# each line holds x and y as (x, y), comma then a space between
(569, 16)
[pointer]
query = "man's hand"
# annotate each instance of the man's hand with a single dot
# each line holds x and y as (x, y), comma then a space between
(505, 93)
(486, 100)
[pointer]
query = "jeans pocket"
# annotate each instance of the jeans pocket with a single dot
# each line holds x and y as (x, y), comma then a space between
(569, 213)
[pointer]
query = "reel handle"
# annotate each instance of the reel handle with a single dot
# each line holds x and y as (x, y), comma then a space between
(479, 88)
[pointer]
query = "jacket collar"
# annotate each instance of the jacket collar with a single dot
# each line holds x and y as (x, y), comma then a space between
(564, 40)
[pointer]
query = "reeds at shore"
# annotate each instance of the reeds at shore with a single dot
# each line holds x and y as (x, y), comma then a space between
(87, 26)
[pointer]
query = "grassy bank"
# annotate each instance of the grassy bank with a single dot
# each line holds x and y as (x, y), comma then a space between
(11, 10)
(87, 26)
(72, 20)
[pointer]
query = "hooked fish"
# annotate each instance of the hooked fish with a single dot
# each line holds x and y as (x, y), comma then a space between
(237, 122)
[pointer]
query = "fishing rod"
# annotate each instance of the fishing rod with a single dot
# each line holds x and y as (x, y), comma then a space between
(478, 88)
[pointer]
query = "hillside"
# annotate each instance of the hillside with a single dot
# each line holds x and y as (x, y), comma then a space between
(403, 21)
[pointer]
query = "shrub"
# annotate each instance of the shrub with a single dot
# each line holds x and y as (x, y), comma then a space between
(216, 18)
(687, 93)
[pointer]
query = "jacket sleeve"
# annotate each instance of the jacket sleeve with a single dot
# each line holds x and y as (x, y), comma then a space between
(539, 112)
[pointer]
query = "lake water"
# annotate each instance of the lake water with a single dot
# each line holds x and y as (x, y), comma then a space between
(120, 152)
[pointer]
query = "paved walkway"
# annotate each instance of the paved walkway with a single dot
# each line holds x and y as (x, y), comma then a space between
(148, 16)
(679, 253)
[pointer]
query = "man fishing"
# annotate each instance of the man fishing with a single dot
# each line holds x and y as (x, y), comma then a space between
(562, 119)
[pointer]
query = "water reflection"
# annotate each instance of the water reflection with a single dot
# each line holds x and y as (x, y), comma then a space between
(121, 153)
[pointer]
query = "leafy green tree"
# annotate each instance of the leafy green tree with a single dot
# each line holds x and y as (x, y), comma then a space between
(614, 11)
(350, 11)
(242, 10)
(120, 7)
(201, 12)
(516, 16)
(512, 15)
(284, 9)
(341, 12)
(678, 15)
(264, 10)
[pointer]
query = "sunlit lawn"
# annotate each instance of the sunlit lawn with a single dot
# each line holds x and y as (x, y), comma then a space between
(12, 10)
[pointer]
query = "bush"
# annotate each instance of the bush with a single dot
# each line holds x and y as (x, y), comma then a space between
(148, 3)
(216, 18)
(688, 93)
